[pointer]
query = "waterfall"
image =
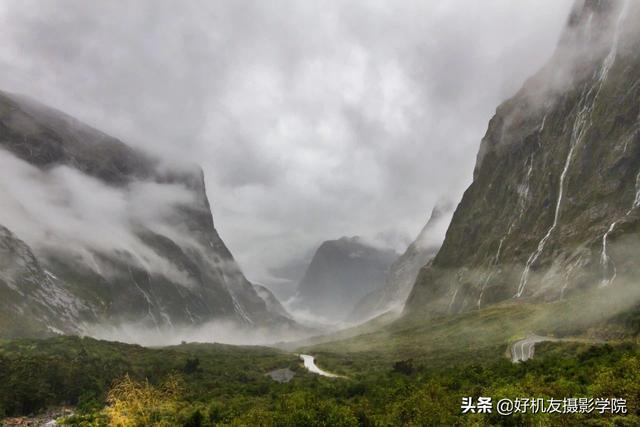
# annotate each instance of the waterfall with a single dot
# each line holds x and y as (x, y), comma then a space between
(523, 195)
(580, 128)
(605, 260)
(147, 299)
(453, 298)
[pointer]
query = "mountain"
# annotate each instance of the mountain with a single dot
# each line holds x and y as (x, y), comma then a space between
(93, 231)
(553, 209)
(341, 272)
(403, 272)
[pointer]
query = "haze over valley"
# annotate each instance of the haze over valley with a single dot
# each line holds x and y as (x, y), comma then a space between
(221, 213)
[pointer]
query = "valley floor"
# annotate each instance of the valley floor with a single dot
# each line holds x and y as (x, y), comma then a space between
(411, 372)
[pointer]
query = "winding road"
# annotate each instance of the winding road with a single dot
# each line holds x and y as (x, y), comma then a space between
(310, 364)
(524, 349)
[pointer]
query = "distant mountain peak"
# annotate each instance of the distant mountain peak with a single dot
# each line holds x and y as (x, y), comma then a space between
(340, 273)
(403, 272)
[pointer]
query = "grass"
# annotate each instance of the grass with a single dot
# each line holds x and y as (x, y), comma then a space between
(478, 335)
(410, 372)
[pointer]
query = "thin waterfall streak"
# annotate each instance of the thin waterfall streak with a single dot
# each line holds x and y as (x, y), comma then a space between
(605, 259)
(605, 262)
(453, 298)
(484, 286)
(611, 57)
(636, 200)
(497, 257)
(147, 299)
(581, 125)
(535, 255)
(544, 120)
(523, 195)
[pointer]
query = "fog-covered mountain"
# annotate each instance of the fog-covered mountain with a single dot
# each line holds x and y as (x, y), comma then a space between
(341, 272)
(553, 209)
(403, 272)
(93, 232)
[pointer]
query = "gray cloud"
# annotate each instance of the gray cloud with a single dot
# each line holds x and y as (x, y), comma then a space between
(312, 120)
(64, 211)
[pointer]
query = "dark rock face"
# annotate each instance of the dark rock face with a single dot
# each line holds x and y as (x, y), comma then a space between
(185, 273)
(403, 272)
(554, 205)
(341, 272)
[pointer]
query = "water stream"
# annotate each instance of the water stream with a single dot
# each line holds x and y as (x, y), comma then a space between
(580, 128)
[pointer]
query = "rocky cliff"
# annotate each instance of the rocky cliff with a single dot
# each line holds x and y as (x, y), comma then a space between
(553, 209)
(95, 232)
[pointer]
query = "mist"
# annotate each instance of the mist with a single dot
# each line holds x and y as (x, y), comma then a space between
(362, 113)
(62, 211)
(320, 123)
(217, 331)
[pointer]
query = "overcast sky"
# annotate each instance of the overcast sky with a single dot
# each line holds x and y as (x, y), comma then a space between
(311, 119)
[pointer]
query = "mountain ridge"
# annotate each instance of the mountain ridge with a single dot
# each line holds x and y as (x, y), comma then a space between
(142, 249)
(554, 185)
(404, 270)
(341, 272)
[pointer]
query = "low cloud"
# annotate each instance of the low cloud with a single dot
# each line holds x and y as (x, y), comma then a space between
(210, 332)
(61, 210)
(433, 235)
(311, 120)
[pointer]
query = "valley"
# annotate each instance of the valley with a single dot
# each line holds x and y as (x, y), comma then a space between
(121, 304)
(407, 373)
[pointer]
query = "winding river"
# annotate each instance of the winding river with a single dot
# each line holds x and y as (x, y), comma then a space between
(310, 364)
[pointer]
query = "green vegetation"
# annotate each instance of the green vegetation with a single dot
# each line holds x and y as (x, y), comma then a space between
(80, 371)
(202, 385)
(411, 372)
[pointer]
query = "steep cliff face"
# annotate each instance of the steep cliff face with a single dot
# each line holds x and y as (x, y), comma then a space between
(403, 272)
(554, 205)
(94, 231)
(341, 272)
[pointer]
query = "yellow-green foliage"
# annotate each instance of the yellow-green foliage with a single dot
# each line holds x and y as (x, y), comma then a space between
(137, 403)
(227, 386)
(622, 379)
